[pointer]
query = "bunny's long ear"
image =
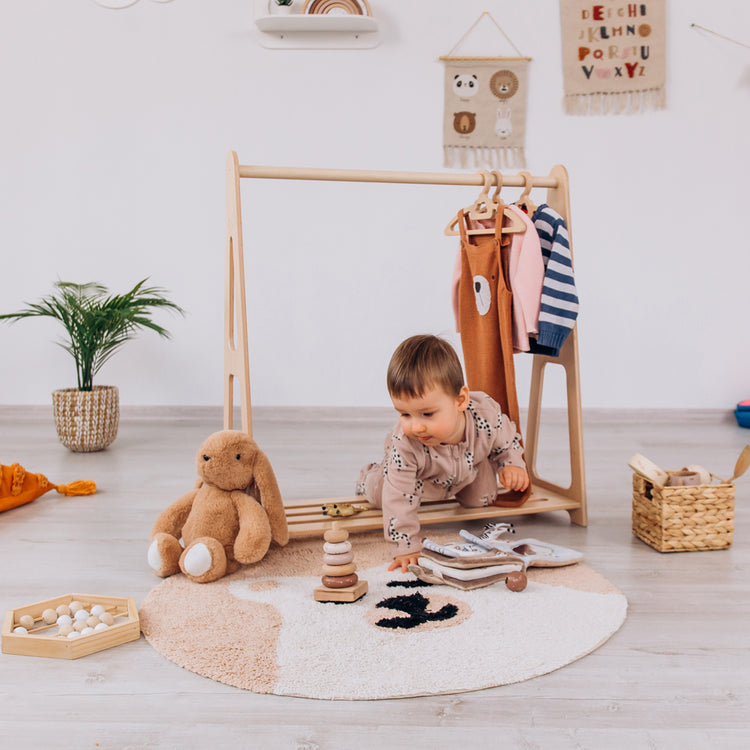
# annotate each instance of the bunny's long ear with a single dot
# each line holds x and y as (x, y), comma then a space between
(270, 498)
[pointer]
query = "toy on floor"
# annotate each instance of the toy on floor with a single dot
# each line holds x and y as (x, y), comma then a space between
(340, 581)
(688, 475)
(742, 413)
(70, 626)
(535, 554)
(478, 561)
(231, 516)
(19, 486)
(344, 509)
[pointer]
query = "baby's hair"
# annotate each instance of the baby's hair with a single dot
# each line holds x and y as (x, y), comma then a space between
(423, 362)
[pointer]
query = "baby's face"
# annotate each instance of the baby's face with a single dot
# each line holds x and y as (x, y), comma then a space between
(433, 418)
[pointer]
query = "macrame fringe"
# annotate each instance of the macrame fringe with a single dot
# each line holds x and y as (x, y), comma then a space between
(479, 157)
(625, 102)
(79, 487)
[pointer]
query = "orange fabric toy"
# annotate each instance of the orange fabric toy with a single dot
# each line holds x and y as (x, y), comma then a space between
(18, 486)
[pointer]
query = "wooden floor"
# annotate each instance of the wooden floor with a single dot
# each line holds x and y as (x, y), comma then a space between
(677, 675)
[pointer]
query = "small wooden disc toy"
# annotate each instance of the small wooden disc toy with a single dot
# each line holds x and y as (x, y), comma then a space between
(340, 582)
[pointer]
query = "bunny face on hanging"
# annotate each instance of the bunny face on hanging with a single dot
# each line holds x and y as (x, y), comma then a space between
(503, 123)
(482, 294)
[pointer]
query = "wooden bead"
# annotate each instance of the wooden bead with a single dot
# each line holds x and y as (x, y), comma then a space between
(336, 535)
(339, 582)
(336, 548)
(339, 570)
(341, 559)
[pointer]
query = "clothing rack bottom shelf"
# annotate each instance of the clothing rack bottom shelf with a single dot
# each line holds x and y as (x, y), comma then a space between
(306, 517)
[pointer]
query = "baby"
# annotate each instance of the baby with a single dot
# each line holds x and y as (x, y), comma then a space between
(449, 442)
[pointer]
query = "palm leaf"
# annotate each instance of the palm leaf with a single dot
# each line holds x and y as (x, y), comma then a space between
(97, 323)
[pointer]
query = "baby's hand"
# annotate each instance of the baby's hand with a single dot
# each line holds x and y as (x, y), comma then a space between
(403, 561)
(514, 478)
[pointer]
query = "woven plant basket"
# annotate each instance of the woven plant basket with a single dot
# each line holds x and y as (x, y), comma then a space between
(87, 420)
(683, 519)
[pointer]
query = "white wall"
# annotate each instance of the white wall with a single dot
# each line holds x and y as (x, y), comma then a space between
(113, 140)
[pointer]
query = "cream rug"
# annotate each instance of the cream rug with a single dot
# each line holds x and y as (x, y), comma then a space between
(261, 630)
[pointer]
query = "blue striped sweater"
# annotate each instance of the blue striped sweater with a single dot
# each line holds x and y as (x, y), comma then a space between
(559, 303)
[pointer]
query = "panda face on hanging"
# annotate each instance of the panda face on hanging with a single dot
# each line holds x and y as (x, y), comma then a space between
(465, 85)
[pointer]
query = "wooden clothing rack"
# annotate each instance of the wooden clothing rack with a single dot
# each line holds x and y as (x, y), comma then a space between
(305, 517)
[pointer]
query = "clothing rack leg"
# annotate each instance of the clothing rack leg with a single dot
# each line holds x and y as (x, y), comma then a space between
(558, 198)
(236, 356)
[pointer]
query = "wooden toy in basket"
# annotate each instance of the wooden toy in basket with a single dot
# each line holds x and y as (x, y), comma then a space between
(684, 511)
(70, 626)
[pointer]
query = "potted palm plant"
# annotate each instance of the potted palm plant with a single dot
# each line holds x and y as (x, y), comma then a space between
(97, 325)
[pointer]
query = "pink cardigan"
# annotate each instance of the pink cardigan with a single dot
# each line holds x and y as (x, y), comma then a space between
(526, 271)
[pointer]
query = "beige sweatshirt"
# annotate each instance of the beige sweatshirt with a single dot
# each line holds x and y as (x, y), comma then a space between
(412, 471)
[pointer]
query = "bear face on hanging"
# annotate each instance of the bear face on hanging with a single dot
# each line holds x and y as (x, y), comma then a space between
(464, 122)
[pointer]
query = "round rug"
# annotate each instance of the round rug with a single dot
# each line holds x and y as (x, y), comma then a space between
(260, 629)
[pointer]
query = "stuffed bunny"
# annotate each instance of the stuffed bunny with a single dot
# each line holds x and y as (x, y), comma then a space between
(229, 518)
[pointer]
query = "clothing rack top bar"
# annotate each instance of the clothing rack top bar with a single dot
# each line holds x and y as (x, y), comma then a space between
(413, 178)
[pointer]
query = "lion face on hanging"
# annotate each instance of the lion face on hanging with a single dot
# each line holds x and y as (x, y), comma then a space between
(465, 85)
(504, 84)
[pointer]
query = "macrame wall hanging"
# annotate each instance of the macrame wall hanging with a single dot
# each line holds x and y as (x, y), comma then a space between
(484, 121)
(613, 56)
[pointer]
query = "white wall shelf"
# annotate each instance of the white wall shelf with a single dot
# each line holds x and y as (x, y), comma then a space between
(302, 31)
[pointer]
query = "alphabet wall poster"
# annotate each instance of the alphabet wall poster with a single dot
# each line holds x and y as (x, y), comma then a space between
(614, 57)
(484, 122)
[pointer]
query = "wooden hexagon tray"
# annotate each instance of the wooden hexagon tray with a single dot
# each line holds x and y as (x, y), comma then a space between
(43, 639)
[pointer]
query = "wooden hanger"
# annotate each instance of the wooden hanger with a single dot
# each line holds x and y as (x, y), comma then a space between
(525, 200)
(485, 207)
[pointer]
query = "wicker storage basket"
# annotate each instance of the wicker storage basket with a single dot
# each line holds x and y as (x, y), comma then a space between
(683, 519)
(87, 420)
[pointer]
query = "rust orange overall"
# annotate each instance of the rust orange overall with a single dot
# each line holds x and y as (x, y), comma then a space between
(484, 317)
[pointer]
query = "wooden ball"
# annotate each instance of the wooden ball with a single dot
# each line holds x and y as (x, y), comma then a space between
(516, 581)
(63, 609)
(93, 621)
(26, 621)
(106, 618)
(49, 616)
